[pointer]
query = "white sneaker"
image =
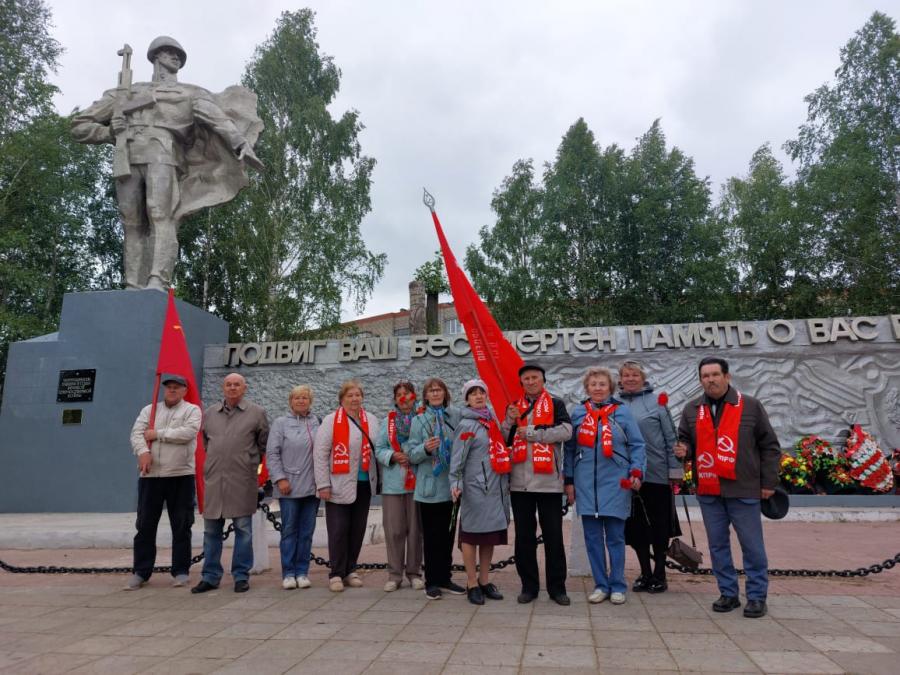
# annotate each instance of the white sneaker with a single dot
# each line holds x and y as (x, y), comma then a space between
(303, 582)
(289, 583)
(335, 585)
(390, 587)
(134, 583)
(354, 580)
(417, 583)
(597, 596)
(617, 598)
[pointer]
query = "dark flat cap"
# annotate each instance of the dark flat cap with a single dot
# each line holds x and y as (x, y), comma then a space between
(777, 506)
(171, 377)
(532, 365)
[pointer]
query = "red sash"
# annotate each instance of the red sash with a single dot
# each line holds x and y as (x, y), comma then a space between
(541, 453)
(587, 432)
(717, 448)
(409, 483)
(340, 442)
(497, 450)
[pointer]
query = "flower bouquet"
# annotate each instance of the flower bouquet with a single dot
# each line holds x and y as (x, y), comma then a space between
(829, 469)
(795, 473)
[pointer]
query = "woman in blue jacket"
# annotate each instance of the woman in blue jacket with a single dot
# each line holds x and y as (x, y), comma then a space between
(604, 462)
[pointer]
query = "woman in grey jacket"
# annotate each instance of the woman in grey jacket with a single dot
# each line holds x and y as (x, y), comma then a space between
(289, 456)
(479, 480)
(653, 520)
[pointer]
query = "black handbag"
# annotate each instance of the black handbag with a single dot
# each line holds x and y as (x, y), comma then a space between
(680, 552)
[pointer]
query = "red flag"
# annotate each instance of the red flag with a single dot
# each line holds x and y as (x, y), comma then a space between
(496, 359)
(174, 359)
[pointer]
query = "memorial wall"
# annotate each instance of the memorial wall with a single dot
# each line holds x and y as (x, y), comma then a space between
(815, 376)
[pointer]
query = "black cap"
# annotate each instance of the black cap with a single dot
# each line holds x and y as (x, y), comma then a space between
(777, 506)
(177, 379)
(532, 365)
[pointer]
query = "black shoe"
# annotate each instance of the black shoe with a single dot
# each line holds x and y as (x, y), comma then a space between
(561, 599)
(657, 586)
(755, 609)
(455, 589)
(490, 591)
(241, 586)
(525, 597)
(726, 603)
(433, 593)
(640, 584)
(476, 597)
(202, 587)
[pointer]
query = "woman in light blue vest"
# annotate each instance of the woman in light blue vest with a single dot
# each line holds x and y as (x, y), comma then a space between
(430, 442)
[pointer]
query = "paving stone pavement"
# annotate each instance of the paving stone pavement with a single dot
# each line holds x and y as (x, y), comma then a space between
(87, 624)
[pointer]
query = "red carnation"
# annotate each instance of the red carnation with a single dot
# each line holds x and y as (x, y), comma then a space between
(466, 435)
(625, 483)
(637, 473)
(663, 399)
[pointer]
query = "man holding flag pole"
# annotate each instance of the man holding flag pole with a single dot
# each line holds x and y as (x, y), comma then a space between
(166, 439)
(500, 367)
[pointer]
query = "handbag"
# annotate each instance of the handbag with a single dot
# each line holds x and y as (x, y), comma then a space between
(680, 552)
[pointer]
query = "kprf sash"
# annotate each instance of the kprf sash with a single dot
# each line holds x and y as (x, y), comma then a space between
(541, 453)
(717, 447)
(587, 432)
(498, 452)
(409, 482)
(340, 442)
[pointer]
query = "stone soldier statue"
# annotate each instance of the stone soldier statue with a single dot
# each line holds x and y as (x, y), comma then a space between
(179, 148)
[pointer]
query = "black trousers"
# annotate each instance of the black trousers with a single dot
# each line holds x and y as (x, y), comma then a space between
(177, 493)
(346, 524)
(652, 523)
(437, 542)
(549, 512)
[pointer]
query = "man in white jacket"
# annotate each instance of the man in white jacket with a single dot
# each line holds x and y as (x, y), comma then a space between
(165, 455)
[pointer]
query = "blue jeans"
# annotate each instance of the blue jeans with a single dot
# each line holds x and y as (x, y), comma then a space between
(744, 515)
(603, 534)
(241, 558)
(298, 523)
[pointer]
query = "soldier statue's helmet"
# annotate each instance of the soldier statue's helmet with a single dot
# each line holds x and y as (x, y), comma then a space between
(165, 42)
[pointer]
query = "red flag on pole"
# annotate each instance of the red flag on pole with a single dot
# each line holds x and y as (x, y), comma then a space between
(174, 359)
(496, 359)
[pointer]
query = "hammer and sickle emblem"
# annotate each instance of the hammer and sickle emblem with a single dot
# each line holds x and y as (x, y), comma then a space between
(726, 445)
(705, 461)
(340, 450)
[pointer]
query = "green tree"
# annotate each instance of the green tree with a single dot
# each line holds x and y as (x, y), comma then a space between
(502, 267)
(28, 54)
(848, 187)
(670, 261)
(776, 258)
(277, 261)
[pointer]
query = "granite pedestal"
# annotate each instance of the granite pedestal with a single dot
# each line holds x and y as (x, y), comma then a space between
(49, 466)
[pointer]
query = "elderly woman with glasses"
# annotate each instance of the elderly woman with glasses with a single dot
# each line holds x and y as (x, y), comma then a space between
(653, 521)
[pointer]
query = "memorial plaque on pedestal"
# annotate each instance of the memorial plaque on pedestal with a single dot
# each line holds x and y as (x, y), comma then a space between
(76, 386)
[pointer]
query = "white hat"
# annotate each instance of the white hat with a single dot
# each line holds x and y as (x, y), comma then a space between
(471, 384)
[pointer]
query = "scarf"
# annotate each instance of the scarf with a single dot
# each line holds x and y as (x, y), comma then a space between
(398, 427)
(497, 450)
(587, 432)
(541, 453)
(340, 442)
(717, 447)
(441, 457)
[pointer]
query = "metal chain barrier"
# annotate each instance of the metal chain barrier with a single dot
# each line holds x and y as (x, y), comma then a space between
(877, 568)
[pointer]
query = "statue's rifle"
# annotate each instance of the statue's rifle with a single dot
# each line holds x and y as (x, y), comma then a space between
(126, 103)
(121, 165)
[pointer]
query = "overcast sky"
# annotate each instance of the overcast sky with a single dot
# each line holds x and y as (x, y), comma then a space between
(452, 94)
